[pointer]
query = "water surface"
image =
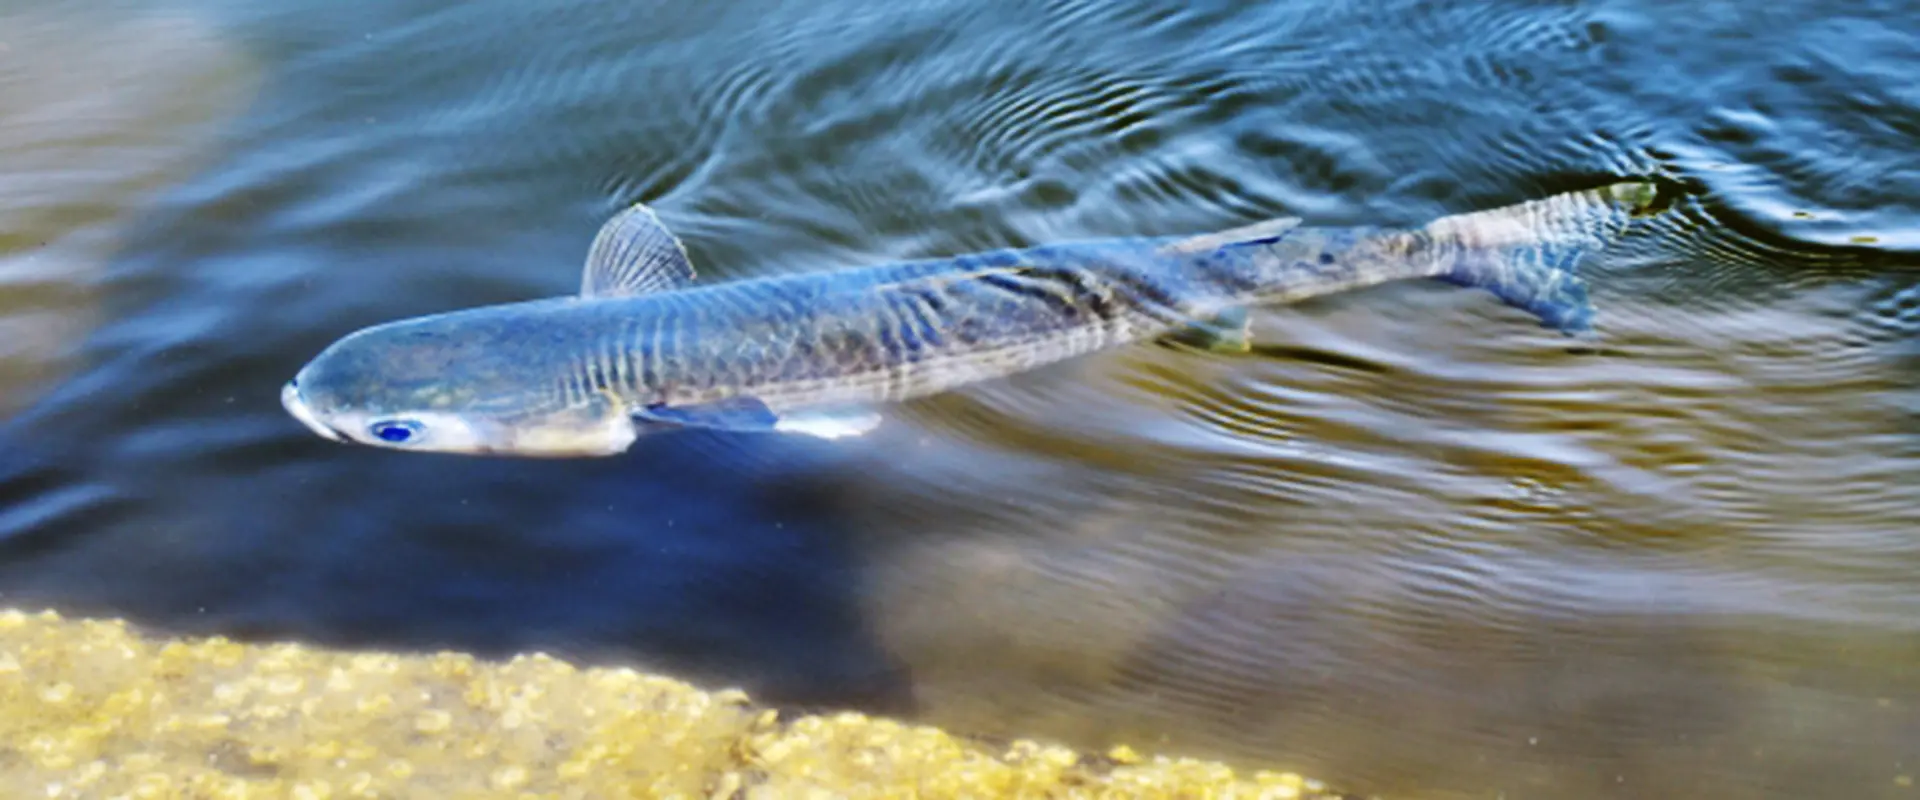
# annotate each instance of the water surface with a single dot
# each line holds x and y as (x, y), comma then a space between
(1414, 544)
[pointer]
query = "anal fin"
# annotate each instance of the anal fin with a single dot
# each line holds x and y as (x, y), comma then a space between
(1230, 331)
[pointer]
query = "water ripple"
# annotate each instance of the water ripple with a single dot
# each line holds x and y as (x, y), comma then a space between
(1413, 542)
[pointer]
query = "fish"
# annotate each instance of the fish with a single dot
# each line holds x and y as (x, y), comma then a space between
(645, 348)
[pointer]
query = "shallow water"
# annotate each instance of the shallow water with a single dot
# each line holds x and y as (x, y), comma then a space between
(1414, 544)
(98, 111)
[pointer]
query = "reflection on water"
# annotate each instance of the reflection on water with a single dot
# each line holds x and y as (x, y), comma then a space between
(1414, 543)
(98, 111)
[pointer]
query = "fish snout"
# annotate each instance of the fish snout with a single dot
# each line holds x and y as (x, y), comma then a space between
(297, 407)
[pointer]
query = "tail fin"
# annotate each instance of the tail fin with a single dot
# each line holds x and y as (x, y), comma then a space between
(1528, 254)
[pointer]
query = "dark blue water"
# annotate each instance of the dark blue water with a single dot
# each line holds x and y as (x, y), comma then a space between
(1414, 544)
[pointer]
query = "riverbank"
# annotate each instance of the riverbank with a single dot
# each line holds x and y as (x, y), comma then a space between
(95, 708)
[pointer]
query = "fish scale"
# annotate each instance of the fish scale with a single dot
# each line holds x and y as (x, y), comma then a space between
(646, 346)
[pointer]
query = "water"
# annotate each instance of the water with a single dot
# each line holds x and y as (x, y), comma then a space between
(1414, 544)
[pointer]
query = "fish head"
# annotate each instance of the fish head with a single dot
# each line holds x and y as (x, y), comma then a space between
(485, 382)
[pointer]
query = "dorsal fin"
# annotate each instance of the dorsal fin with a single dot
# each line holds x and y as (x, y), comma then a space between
(1244, 234)
(634, 253)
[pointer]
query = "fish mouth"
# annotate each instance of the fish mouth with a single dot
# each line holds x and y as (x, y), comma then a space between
(290, 398)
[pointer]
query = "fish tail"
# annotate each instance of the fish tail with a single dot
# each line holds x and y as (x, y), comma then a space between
(1528, 254)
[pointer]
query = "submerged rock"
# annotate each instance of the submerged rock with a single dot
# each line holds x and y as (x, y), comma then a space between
(95, 709)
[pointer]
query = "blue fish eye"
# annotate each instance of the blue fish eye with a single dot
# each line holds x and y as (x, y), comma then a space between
(395, 431)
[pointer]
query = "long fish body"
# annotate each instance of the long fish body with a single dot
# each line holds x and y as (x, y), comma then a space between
(644, 347)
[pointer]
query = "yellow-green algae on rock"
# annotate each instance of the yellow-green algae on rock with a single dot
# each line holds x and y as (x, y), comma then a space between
(93, 709)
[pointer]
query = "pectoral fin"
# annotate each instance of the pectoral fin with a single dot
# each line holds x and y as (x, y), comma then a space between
(733, 414)
(746, 414)
(634, 253)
